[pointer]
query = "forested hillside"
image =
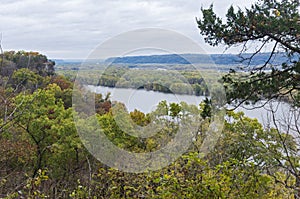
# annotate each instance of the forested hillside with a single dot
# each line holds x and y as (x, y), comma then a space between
(43, 156)
(60, 140)
(218, 59)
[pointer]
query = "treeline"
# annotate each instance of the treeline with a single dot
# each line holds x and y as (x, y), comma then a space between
(219, 59)
(38, 63)
(188, 82)
(42, 155)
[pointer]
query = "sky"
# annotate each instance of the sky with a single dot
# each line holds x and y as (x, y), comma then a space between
(72, 29)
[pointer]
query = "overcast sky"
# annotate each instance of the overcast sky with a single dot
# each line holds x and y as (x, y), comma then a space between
(73, 28)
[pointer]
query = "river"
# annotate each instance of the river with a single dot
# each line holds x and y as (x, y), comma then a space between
(146, 102)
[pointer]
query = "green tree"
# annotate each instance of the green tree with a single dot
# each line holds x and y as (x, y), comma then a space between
(175, 110)
(25, 78)
(205, 108)
(139, 118)
(267, 23)
(50, 128)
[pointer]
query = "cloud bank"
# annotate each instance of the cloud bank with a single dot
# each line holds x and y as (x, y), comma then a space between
(73, 28)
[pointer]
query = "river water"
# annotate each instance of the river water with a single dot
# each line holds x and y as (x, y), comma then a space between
(146, 102)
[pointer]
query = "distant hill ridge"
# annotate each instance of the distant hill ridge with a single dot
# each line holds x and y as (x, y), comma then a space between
(220, 59)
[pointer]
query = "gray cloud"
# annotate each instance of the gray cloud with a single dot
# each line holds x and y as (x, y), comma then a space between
(71, 29)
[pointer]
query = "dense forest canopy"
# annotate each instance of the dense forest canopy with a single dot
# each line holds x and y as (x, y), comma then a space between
(42, 155)
(34, 61)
